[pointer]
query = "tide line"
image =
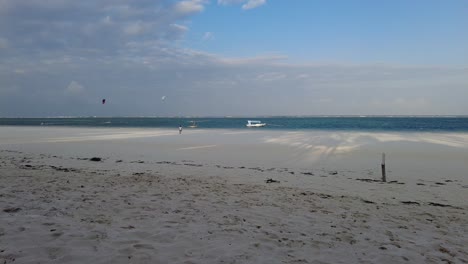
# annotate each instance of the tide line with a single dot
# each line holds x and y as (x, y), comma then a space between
(198, 147)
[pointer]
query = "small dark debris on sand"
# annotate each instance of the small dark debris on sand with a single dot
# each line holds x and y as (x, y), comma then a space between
(118, 161)
(368, 180)
(321, 195)
(440, 183)
(95, 159)
(444, 250)
(61, 169)
(166, 162)
(128, 227)
(271, 181)
(193, 165)
(307, 173)
(373, 180)
(420, 183)
(11, 209)
(333, 173)
(395, 182)
(410, 202)
(442, 205)
(29, 167)
(367, 201)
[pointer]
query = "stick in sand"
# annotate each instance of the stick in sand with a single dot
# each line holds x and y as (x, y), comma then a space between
(384, 176)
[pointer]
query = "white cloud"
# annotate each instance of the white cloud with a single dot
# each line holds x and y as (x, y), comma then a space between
(208, 81)
(271, 76)
(98, 28)
(253, 4)
(302, 76)
(208, 36)
(176, 31)
(180, 28)
(230, 2)
(187, 7)
(135, 28)
(107, 20)
(74, 88)
(271, 59)
(248, 4)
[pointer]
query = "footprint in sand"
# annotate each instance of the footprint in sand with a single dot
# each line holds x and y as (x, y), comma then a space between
(54, 252)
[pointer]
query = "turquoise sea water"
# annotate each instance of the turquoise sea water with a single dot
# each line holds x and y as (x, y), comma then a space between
(421, 124)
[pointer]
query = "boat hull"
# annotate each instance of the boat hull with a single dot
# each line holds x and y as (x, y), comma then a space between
(256, 125)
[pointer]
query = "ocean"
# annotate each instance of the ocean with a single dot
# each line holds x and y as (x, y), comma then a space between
(408, 124)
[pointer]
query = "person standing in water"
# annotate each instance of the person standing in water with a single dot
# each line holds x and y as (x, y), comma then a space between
(180, 129)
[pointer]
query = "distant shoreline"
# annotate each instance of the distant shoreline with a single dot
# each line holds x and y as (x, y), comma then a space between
(252, 116)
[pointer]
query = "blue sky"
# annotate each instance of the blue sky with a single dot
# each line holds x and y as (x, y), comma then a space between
(214, 57)
(405, 32)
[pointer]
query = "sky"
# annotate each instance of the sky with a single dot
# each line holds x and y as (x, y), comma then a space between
(233, 57)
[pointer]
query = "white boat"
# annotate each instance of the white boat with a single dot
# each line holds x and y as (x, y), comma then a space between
(254, 123)
(193, 124)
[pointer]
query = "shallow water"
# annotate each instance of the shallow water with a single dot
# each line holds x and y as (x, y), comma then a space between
(415, 124)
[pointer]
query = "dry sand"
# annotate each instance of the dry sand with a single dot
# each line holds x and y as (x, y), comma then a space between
(205, 196)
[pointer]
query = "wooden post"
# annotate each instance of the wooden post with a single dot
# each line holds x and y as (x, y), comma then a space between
(384, 176)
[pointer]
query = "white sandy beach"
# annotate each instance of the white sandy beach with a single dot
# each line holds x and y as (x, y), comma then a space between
(203, 196)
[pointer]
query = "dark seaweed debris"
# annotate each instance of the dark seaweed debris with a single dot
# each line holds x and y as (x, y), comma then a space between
(410, 202)
(271, 181)
(11, 209)
(442, 205)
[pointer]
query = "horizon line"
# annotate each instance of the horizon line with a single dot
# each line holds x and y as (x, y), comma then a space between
(237, 116)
